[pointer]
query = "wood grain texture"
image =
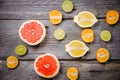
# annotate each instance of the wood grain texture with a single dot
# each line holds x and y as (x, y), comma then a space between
(87, 71)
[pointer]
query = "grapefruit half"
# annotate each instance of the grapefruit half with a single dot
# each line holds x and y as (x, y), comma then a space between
(32, 32)
(47, 65)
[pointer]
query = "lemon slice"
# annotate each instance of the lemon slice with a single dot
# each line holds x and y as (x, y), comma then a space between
(12, 62)
(76, 48)
(20, 50)
(85, 19)
(67, 6)
(59, 34)
(105, 35)
(72, 73)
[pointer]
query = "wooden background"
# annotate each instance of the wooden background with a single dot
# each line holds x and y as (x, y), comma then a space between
(14, 12)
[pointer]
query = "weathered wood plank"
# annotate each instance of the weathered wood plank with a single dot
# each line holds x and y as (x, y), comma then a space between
(9, 38)
(89, 70)
(39, 9)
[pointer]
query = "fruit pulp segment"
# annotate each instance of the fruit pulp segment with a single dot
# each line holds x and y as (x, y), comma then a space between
(32, 32)
(46, 65)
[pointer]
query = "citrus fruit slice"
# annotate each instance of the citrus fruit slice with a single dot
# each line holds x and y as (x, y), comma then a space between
(85, 19)
(20, 50)
(59, 34)
(47, 65)
(67, 6)
(87, 35)
(76, 48)
(112, 17)
(12, 62)
(32, 32)
(72, 73)
(105, 35)
(102, 55)
(55, 16)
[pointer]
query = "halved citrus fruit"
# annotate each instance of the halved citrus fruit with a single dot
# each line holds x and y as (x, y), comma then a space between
(20, 50)
(55, 16)
(85, 19)
(105, 35)
(32, 32)
(112, 17)
(47, 65)
(87, 35)
(67, 6)
(102, 55)
(72, 73)
(12, 62)
(59, 34)
(76, 48)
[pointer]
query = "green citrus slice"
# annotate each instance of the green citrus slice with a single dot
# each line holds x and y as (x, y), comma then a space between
(12, 62)
(105, 35)
(20, 50)
(59, 34)
(67, 6)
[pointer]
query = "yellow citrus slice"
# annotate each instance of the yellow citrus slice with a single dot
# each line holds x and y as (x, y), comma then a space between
(112, 17)
(102, 55)
(12, 62)
(85, 19)
(55, 16)
(88, 35)
(72, 73)
(76, 48)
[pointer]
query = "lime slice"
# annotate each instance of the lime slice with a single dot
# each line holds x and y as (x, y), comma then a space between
(59, 34)
(20, 50)
(67, 6)
(12, 62)
(105, 35)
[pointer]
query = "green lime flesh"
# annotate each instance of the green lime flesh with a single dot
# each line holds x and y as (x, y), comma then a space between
(20, 50)
(105, 35)
(67, 6)
(59, 34)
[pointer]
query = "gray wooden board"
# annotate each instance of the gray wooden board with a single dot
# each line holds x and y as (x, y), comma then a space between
(87, 71)
(9, 39)
(39, 9)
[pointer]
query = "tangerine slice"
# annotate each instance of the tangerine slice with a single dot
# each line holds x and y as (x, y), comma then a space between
(20, 50)
(72, 73)
(105, 35)
(102, 55)
(55, 16)
(67, 6)
(112, 17)
(12, 62)
(88, 35)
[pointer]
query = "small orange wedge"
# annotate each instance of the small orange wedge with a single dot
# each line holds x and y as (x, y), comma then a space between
(102, 55)
(55, 16)
(112, 17)
(87, 35)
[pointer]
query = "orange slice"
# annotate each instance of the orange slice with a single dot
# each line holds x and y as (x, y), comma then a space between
(72, 73)
(102, 55)
(87, 35)
(55, 16)
(112, 17)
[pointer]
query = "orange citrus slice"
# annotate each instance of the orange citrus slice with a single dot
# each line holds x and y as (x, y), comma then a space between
(85, 19)
(102, 55)
(72, 73)
(112, 17)
(55, 16)
(76, 48)
(12, 62)
(87, 35)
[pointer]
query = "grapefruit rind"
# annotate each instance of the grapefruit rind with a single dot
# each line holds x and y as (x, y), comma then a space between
(42, 56)
(42, 36)
(68, 50)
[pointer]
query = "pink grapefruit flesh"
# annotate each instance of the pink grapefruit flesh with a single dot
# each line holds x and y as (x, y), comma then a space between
(47, 65)
(32, 32)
